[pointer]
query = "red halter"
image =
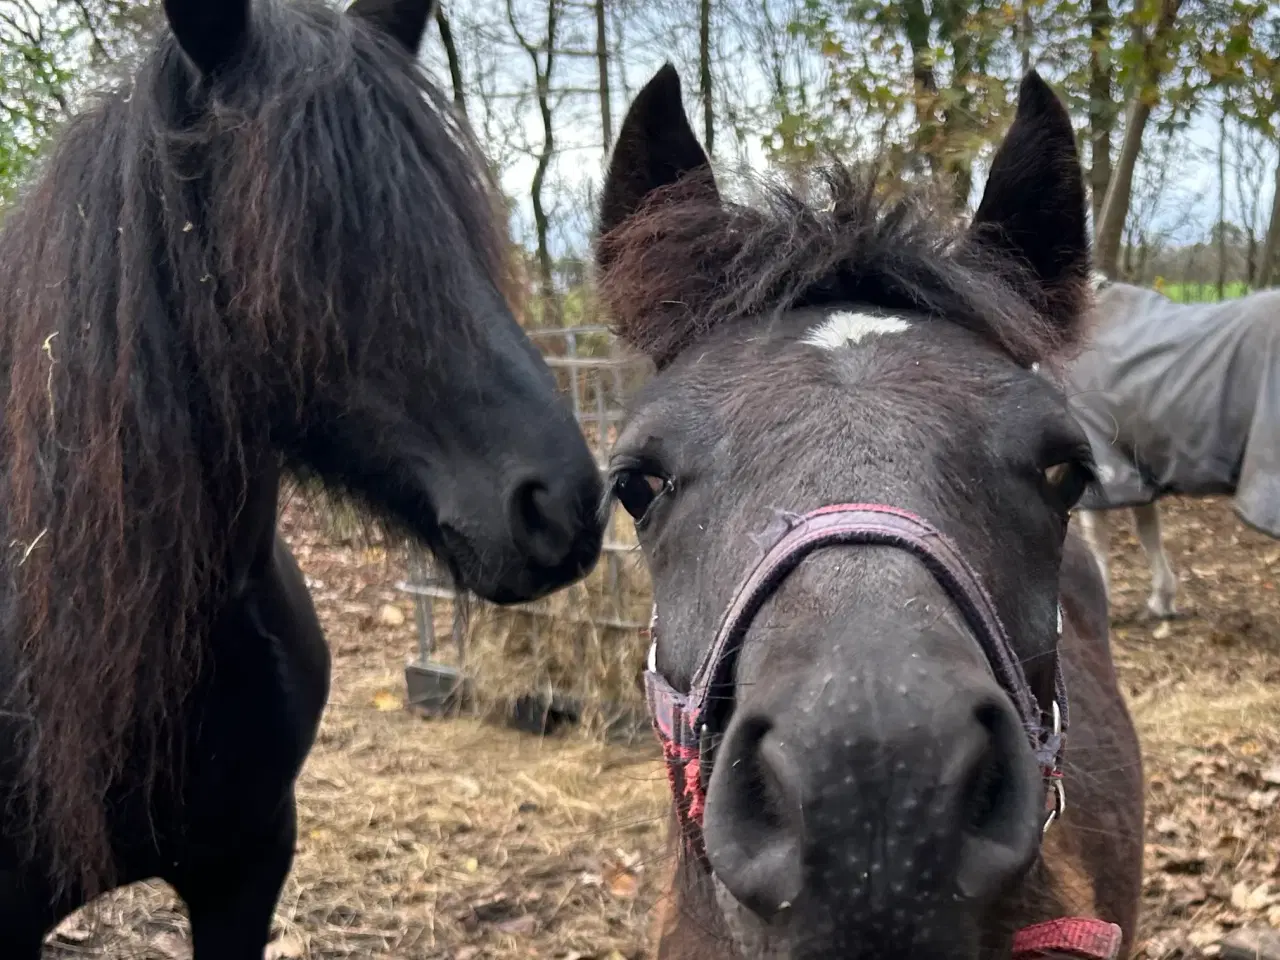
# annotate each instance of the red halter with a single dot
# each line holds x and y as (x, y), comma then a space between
(690, 724)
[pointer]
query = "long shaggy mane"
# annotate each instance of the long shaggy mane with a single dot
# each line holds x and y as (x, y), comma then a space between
(189, 253)
(687, 263)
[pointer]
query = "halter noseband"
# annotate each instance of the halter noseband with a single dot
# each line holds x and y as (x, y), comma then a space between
(690, 724)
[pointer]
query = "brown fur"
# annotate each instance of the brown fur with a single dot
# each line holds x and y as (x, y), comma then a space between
(689, 262)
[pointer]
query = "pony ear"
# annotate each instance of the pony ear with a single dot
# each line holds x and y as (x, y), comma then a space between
(210, 33)
(656, 147)
(405, 21)
(1033, 207)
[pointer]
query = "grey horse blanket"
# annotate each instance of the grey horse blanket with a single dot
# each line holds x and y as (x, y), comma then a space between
(1184, 399)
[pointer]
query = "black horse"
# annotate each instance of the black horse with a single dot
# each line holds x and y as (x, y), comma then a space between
(272, 251)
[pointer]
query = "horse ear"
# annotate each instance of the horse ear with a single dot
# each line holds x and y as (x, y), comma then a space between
(209, 33)
(1033, 207)
(405, 21)
(656, 147)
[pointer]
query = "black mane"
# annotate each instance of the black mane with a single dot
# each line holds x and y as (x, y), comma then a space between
(191, 247)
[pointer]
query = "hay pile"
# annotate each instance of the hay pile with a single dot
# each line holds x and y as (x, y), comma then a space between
(580, 652)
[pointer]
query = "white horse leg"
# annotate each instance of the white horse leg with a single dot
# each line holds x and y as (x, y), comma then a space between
(1164, 583)
(1093, 528)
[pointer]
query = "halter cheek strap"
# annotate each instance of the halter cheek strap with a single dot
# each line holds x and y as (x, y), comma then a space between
(689, 724)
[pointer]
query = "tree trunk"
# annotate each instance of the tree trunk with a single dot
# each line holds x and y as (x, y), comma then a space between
(1101, 109)
(916, 22)
(704, 76)
(1026, 31)
(1270, 245)
(958, 116)
(602, 64)
(543, 69)
(1222, 203)
(1115, 208)
(455, 62)
(619, 60)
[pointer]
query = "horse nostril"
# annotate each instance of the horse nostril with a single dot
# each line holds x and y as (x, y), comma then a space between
(539, 523)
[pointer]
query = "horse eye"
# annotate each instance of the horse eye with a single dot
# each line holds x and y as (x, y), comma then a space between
(637, 491)
(1068, 481)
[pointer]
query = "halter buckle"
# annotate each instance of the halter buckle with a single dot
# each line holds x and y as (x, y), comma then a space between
(1058, 807)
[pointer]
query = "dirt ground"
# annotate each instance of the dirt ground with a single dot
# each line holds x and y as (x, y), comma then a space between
(424, 839)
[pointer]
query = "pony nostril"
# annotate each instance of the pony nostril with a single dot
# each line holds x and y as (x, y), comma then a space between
(990, 796)
(752, 834)
(1001, 803)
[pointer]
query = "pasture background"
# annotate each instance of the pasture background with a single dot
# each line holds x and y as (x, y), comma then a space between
(459, 840)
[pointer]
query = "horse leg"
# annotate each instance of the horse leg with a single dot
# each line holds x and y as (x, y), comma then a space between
(231, 901)
(26, 916)
(1093, 529)
(1164, 583)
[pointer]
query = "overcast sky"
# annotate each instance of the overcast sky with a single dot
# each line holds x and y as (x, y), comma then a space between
(514, 130)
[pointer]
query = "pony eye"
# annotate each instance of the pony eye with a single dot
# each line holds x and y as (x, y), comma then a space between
(1068, 481)
(637, 491)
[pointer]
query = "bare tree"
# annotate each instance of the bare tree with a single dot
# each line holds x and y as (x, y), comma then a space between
(602, 64)
(704, 76)
(542, 57)
(1251, 154)
(1271, 246)
(1222, 202)
(454, 61)
(1101, 108)
(1153, 45)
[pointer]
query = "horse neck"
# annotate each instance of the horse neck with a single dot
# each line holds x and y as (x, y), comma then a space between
(252, 519)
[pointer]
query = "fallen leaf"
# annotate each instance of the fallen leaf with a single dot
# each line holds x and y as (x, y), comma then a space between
(1262, 800)
(1162, 631)
(1181, 861)
(391, 615)
(386, 701)
(518, 925)
(469, 787)
(471, 865)
(622, 884)
(286, 948)
(1201, 937)
(1168, 826)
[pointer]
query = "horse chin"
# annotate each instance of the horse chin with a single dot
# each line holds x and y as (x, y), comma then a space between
(508, 581)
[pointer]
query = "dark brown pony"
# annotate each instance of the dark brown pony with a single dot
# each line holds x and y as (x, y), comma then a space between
(850, 420)
(272, 250)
